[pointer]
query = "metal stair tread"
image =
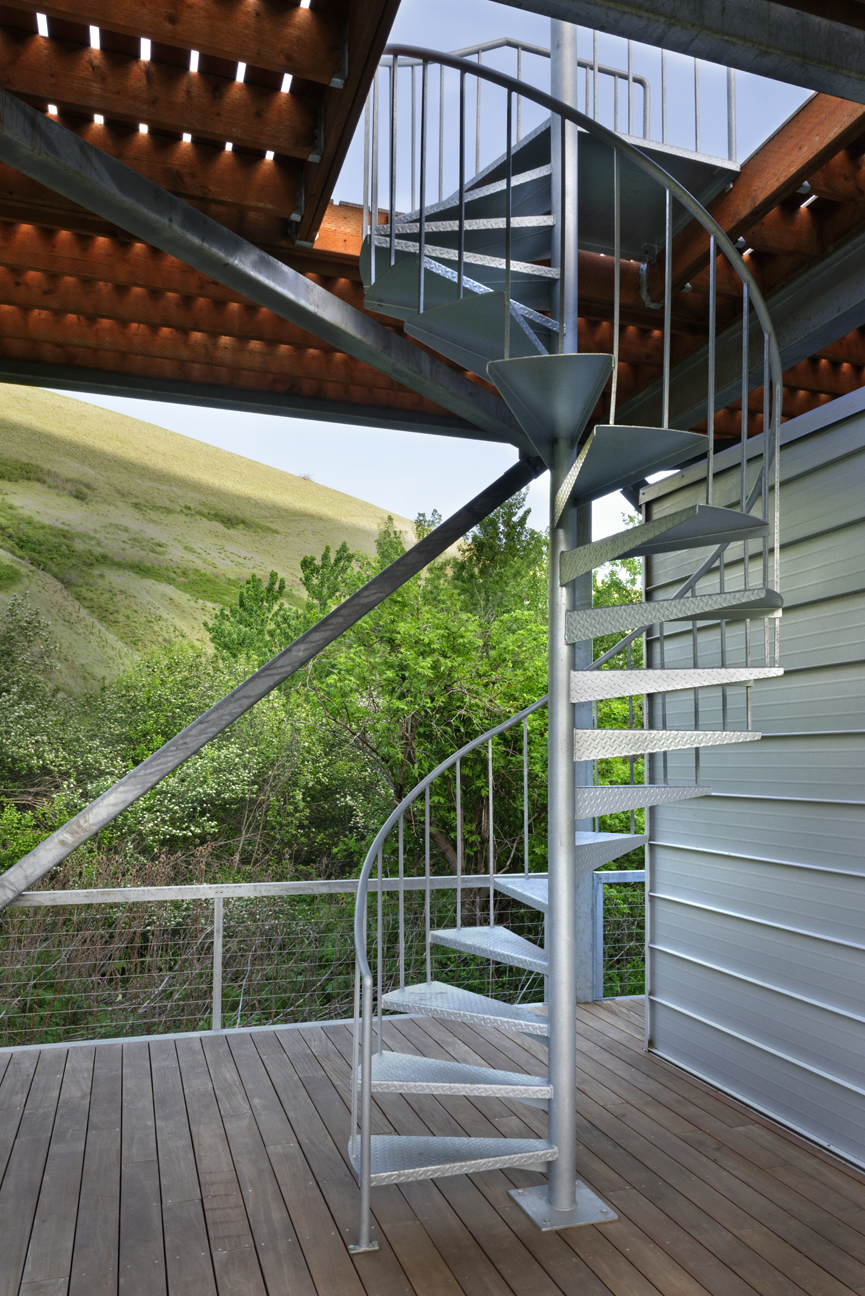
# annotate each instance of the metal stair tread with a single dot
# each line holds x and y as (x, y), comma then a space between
(735, 605)
(695, 527)
(395, 290)
(593, 851)
(614, 456)
(610, 798)
(552, 397)
(594, 686)
(470, 330)
(599, 744)
(403, 1158)
(435, 999)
(496, 942)
(413, 1073)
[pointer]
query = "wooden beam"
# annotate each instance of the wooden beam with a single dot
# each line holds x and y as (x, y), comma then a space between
(833, 377)
(850, 349)
(231, 377)
(786, 229)
(77, 78)
(196, 172)
(842, 178)
(369, 26)
(821, 127)
(283, 37)
(165, 343)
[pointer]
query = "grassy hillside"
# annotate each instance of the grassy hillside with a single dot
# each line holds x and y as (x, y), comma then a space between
(126, 535)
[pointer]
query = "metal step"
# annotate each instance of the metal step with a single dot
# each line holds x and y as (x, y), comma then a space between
(395, 291)
(695, 527)
(403, 1158)
(593, 686)
(551, 396)
(599, 744)
(498, 943)
(738, 605)
(531, 236)
(470, 331)
(408, 1073)
(439, 1000)
(594, 850)
(610, 798)
(616, 456)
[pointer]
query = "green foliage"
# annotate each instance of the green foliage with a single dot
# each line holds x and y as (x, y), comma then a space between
(61, 551)
(9, 575)
(233, 521)
(332, 579)
(15, 470)
(258, 625)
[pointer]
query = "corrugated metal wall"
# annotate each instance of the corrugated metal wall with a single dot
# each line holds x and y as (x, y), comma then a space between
(756, 895)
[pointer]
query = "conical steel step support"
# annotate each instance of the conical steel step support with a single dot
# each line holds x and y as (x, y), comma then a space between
(594, 850)
(738, 605)
(610, 798)
(552, 397)
(436, 999)
(616, 456)
(695, 527)
(596, 685)
(404, 1158)
(471, 330)
(412, 1073)
(599, 744)
(496, 942)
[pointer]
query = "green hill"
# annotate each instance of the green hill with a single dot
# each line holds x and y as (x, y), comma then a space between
(126, 535)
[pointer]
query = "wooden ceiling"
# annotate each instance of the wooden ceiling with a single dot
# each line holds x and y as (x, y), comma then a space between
(84, 297)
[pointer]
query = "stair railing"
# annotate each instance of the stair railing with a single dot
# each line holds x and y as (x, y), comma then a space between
(361, 1091)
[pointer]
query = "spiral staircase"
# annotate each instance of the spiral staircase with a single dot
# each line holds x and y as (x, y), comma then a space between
(481, 277)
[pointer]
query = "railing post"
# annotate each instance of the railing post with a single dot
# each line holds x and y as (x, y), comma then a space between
(598, 943)
(216, 1017)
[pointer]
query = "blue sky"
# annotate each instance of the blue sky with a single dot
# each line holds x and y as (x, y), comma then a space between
(411, 472)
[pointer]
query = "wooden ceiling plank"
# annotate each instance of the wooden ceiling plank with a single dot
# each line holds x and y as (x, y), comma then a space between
(97, 81)
(786, 230)
(192, 171)
(842, 178)
(821, 127)
(166, 343)
(282, 38)
(233, 378)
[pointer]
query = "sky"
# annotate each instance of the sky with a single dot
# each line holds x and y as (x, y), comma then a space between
(409, 472)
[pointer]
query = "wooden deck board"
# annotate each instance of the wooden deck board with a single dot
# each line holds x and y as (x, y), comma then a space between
(218, 1166)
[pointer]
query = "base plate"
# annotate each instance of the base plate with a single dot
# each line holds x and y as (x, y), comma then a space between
(355, 1248)
(588, 1210)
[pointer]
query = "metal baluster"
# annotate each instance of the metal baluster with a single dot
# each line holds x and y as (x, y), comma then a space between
(630, 726)
(668, 305)
(355, 1058)
(743, 470)
(492, 850)
(710, 413)
(373, 221)
(462, 234)
(424, 79)
(615, 103)
(459, 845)
(365, 217)
(765, 484)
(731, 114)
(508, 197)
(630, 87)
(696, 698)
(696, 105)
(413, 135)
(379, 944)
(216, 1011)
(478, 122)
(526, 795)
(401, 906)
(664, 764)
(617, 278)
(663, 96)
(391, 216)
(776, 421)
(519, 97)
(595, 75)
(441, 131)
(427, 898)
(562, 239)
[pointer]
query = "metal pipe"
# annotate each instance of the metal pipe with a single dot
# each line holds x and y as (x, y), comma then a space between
(441, 131)
(731, 114)
(459, 844)
(710, 413)
(427, 890)
(365, 217)
(668, 304)
(379, 946)
(216, 1017)
(401, 905)
(373, 231)
(508, 199)
(492, 849)
(696, 105)
(663, 96)
(526, 796)
(462, 229)
(478, 121)
(617, 280)
(391, 213)
(630, 87)
(595, 74)
(424, 80)
(413, 137)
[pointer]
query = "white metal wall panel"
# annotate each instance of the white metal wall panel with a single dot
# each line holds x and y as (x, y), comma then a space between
(756, 894)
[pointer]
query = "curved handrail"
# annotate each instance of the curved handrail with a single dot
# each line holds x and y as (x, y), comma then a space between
(639, 159)
(394, 817)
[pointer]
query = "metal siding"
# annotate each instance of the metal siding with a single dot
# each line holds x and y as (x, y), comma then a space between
(756, 905)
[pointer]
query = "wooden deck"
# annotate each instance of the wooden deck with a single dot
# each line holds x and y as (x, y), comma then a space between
(216, 1164)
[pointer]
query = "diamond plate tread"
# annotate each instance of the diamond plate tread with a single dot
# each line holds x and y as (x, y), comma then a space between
(694, 527)
(498, 943)
(398, 1158)
(613, 797)
(596, 744)
(450, 1002)
(593, 686)
(591, 623)
(409, 1073)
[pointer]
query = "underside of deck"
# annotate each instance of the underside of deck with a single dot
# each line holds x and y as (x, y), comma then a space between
(217, 1164)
